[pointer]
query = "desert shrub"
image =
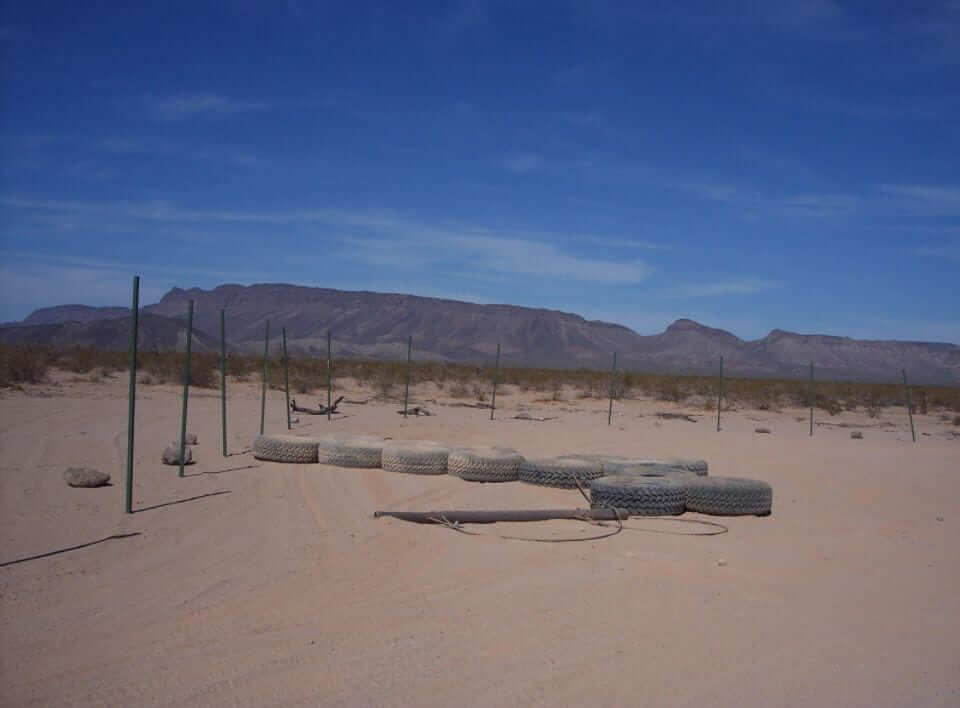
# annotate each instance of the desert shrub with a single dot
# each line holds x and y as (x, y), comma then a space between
(79, 361)
(23, 365)
(162, 367)
(459, 390)
(830, 405)
(670, 390)
(205, 370)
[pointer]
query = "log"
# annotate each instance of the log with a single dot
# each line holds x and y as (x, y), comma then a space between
(524, 416)
(492, 516)
(416, 410)
(677, 416)
(322, 410)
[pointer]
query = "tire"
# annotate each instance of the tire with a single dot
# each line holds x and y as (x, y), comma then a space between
(359, 451)
(631, 468)
(698, 467)
(561, 472)
(415, 457)
(729, 496)
(613, 464)
(485, 464)
(641, 496)
(285, 448)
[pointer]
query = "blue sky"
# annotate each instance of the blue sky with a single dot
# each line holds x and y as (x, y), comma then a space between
(750, 165)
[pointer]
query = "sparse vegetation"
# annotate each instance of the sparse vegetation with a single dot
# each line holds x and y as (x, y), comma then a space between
(21, 365)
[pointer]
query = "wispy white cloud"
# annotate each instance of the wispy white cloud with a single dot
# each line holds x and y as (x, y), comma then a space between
(198, 105)
(626, 243)
(950, 252)
(522, 162)
(152, 146)
(384, 239)
(753, 200)
(924, 198)
(747, 286)
(475, 254)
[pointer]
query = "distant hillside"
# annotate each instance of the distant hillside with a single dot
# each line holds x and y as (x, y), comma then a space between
(155, 333)
(74, 313)
(377, 325)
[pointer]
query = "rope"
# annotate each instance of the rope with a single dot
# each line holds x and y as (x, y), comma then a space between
(720, 528)
(443, 521)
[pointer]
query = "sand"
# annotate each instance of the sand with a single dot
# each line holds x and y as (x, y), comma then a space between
(259, 584)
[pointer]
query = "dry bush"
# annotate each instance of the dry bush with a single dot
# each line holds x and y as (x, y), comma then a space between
(22, 365)
(459, 390)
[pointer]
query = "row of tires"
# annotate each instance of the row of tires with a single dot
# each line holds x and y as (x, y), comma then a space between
(644, 487)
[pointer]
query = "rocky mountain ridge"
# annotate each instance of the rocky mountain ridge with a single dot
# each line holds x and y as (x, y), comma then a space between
(376, 325)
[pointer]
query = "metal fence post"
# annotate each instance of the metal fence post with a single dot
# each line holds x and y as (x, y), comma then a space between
(906, 391)
(263, 390)
(720, 395)
(613, 376)
(286, 374)
(131, 409)
(329, 373)
(406, 385)
(496, 372)
(223, 380)
(186, 384)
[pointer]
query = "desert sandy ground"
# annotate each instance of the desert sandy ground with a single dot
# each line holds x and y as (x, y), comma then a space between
(259, 584)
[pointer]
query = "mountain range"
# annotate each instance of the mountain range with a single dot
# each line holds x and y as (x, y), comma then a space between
(376, 325)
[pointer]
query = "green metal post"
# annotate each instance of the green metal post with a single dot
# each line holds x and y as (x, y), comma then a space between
(286, 375)
(223, 379)
(811, 399)
(613, 375)
(186, 384)
(906, 391)
(720, 395)
(131, 410)
(406, 385)
(496, 372)
(263, 389)
(329, 373)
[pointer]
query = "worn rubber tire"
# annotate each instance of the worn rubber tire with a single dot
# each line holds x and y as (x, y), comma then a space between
(415, 457)
(631, 468)
(616, 464)
(729, 496)
(485, 464)
(358, 451)
(698, 467)
(285, 448)
(561, 472)
(641, 496)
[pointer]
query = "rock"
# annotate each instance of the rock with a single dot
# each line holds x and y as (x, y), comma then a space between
(856, 435)
(171, 455)
(722, 563)
(761, 430)
(85, 477)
